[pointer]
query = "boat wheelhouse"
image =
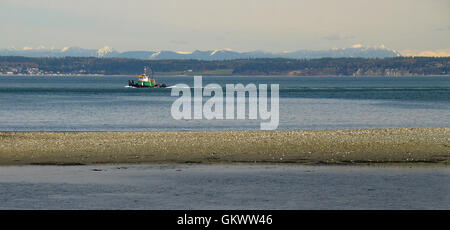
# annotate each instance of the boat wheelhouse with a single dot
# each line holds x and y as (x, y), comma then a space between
(146, 80)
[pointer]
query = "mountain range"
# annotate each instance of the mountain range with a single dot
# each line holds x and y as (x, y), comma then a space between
(221, 54)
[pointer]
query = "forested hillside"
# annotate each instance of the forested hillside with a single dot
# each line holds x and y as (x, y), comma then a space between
(398, 66)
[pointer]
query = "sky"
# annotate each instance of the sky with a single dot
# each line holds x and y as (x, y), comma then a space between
(410, 26)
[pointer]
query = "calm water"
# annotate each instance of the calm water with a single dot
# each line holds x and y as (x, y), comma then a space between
(223, 187)
(104, 104)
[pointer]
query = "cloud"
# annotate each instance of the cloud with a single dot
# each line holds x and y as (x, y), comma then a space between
(427, 53)
(335, 37)
(443, 29)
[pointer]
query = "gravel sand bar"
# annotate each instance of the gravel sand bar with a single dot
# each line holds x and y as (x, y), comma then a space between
(368, 146)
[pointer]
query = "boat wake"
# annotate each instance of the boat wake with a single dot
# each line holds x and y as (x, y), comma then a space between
(187, 87)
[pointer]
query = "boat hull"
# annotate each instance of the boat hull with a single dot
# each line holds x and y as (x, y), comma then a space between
(145, 84)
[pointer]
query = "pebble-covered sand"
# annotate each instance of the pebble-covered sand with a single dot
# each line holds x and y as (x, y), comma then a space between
(369, 146)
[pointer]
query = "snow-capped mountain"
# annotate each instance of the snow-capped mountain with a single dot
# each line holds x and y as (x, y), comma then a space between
(220, 54)
(106, 51)
(76, 52)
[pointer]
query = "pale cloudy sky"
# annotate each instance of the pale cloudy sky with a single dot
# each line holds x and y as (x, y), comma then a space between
(410, 26)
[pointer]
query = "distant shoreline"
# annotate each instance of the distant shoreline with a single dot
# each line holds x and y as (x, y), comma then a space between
(191, 75)
(399, 146)
(394, 66)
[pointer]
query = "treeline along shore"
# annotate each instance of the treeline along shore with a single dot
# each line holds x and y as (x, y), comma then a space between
(398, 66)
(418, 146)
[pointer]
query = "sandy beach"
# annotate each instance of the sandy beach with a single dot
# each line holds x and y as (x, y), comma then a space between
(368, 146)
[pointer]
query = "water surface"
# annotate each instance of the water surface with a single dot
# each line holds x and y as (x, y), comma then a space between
(223, 187)
(102, 103)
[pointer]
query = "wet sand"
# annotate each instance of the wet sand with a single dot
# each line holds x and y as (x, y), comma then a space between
(368, 146)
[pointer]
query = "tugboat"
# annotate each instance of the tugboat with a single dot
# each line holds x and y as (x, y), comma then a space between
(146, 80)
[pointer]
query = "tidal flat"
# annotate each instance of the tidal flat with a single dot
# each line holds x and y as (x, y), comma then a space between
(411, 146)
